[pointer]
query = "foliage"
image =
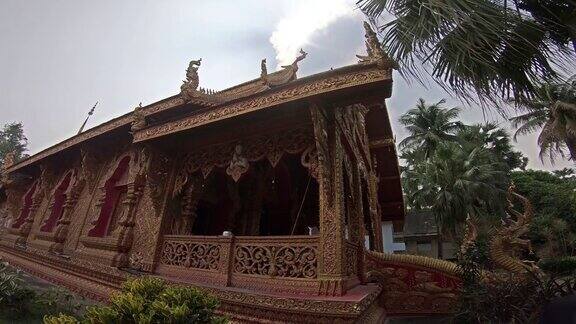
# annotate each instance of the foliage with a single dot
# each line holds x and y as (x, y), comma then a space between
(553, 110)
(494, 139)
(428, 126)
(58, 301)
(12, 139)
(455, 183)
(491, 49)
(151, 300)
(22, 301)
(15, 297)
(455, 170)
(511, 298)
(505, 297)
(550, 194)
(60, 319)
(553, 197)
(560, 266)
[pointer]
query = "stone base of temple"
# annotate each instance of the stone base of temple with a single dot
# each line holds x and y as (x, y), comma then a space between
(10, 239)
(84, 279)
(42, 243)
(97, 282)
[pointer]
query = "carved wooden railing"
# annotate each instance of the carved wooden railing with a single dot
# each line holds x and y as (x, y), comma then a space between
(274, 263)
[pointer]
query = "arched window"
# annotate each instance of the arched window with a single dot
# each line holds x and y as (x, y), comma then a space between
(115, 190)
(26, 206)
(58, 200)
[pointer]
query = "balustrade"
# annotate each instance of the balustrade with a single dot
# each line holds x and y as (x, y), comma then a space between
(277, 263)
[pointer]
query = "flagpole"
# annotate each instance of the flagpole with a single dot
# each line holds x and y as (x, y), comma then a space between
(87, 117)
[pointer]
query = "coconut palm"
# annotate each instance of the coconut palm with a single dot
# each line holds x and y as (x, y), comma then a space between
(429, 125)
(553, 110)
(490, 49)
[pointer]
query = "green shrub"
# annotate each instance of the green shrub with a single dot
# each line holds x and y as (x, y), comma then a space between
(151, 300)
(60, 319)
(15, 297)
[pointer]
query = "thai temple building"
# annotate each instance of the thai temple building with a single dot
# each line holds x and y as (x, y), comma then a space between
(270, 194)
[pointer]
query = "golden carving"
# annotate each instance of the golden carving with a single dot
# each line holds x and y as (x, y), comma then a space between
(284, 94)
(332, 268)
(77, 183)
(189, 88)
(295, 261)
(309, 160)
(507, 242)
(191, 255)
(254, 148)
(98, 130)
(376, 53)
(238, 164)
(138, 119)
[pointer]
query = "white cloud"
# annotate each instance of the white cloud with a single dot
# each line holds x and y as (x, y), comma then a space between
(295, 29)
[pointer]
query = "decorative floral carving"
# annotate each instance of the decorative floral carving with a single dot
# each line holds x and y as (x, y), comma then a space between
(271, 146)
(351, 254)
(191, 255)
(294, 261)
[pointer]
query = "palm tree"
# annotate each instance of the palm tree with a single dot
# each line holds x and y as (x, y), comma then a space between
(495, 139)
(487, 49)
(456, 183)
(429, 125)
(553, 110)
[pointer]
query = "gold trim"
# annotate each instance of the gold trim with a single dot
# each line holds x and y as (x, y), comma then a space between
(284, 95)
(93, 132)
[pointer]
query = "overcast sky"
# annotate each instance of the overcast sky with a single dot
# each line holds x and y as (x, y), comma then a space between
(59, 57)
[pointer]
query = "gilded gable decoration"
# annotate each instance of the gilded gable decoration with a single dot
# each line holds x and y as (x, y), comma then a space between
(375, 51)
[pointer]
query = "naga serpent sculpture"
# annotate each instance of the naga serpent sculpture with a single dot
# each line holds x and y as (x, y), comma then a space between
(507, 242)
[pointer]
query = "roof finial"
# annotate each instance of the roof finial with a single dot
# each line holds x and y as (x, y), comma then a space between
(188, 89)
(375, 51)
(90, 113)
(263, 69)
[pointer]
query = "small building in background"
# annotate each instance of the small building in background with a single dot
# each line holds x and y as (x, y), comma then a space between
(420, 235)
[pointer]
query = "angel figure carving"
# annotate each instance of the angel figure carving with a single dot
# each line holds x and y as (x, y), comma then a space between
(238, 165)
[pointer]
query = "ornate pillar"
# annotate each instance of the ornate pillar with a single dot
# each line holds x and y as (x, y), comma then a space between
(331, 268)
(124, 231)
(63, 224)
(356, 219)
